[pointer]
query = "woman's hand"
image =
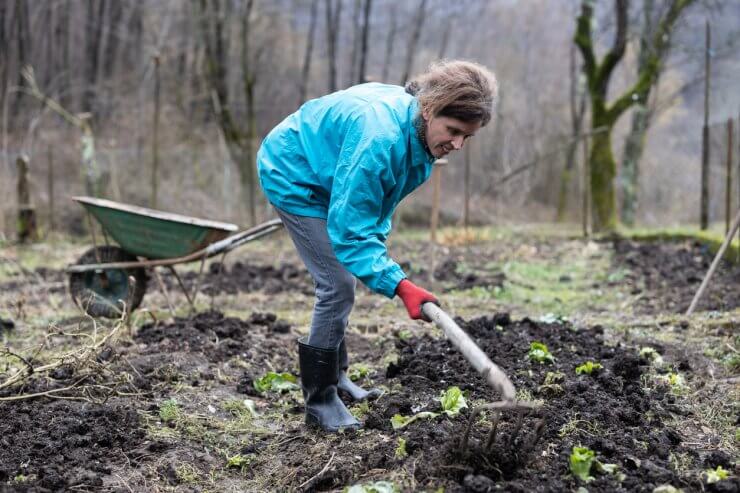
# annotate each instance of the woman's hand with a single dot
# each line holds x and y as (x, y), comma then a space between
(413, 297)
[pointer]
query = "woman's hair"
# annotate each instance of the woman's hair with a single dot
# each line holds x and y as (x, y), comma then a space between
(456, 89)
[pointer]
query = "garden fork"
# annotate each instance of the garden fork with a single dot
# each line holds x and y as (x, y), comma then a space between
(495, 377)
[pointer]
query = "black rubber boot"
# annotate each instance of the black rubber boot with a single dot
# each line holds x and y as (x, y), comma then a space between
(319, 372)
(345, 384)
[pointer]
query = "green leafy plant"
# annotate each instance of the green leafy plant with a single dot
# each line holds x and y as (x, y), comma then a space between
(651, 355)
(276, 382)
(716, 475)
(401, 452)
(551, 384)
(588, 368)
(581, 460)
(538, 352)
(169, 410)
(404, 334)
(398, 421)
(452, 401)
(551, 318)
(375, 487)
(358, 372)
(238, 461)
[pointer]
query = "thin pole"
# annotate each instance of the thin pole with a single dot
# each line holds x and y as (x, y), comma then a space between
(704, 219)
(714, 265)
(50, 189)
(436, 185)
(586, 191)
(466, 214)
(728, 189)
(155, 136)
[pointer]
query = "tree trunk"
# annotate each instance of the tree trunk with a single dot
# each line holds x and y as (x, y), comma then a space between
(155, 137)
(4, 59)
(635, 141)
(247, 162)
(603, 171)
(27, 230)
(577, 111)
(24, 48)
(306, 70)
(361, 76)
(413, 42)
(389, 41)
(333, 14)
(605, 116)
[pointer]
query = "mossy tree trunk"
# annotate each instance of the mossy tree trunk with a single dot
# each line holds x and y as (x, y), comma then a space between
(604, 115)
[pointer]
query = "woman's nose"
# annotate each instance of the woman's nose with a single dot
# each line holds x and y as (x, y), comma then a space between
(458, 142)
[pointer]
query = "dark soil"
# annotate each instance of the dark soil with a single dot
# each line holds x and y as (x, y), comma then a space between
(613, 414)
(261, 340)
(667, 275)
(449, 276)
(249, 277)
(58, 445)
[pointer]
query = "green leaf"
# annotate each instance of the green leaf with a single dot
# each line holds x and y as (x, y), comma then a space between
(581, 460)
(401, 449)
(169, 410)
(588, 368)
(452, 401)
(538, 352)
(375, 487)
(358, 372)
(399, 421)
(276, 382)
(716, 475)
(651, 355)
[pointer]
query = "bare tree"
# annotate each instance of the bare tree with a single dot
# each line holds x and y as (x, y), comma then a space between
(333, 15)
(414, 41)
(389, 41)
(577, 106)
(365, 35)
(604, 116)
(306, 69)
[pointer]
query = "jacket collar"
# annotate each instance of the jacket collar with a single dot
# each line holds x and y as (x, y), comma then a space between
(419, 153)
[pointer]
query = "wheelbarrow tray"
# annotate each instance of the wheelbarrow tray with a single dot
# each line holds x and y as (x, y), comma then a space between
(154, 234)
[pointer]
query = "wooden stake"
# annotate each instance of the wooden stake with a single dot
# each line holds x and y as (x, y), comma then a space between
(50, 189)
(704, 213)
(728, 189)
(714, 265)
(436, 187)
(586, 191)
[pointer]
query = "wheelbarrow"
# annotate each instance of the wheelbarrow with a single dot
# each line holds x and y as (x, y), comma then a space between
(108, 280)
(496, 378)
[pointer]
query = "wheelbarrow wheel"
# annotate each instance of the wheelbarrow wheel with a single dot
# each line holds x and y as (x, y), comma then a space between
(105, 292)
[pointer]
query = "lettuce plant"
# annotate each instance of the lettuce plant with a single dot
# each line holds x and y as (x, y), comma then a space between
(276, 382)
(581, 460)
(452, 401)
(538, 352)
(716, 475)
(588, 368)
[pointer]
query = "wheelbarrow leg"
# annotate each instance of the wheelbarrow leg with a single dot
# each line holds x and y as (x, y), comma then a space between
(182, 286)
(163, 288)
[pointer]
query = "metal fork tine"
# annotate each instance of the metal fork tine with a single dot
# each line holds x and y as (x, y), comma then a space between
(492, 434)
(517, 428)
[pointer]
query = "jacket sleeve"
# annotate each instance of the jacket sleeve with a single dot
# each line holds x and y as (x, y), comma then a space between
(355, 219)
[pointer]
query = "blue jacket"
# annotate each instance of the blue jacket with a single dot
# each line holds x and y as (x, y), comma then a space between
(349, 157)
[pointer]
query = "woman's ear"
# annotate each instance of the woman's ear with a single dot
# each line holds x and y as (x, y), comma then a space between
(425, 114)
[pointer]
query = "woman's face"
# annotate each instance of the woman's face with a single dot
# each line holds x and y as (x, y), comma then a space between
(445, 134)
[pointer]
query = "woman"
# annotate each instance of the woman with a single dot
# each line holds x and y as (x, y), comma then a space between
(335, 170)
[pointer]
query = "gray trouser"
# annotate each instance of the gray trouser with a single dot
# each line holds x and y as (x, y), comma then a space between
(335, 286)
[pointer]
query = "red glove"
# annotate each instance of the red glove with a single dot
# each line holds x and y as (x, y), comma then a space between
(413, 297)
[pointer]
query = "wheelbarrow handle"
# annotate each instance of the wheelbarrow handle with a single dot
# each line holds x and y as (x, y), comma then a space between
(495, 377)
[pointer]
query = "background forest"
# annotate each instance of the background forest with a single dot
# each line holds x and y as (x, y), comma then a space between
(163, 103)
